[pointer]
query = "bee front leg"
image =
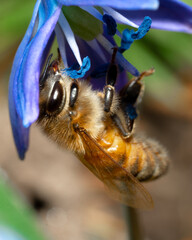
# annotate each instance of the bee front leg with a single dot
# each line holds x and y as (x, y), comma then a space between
(117, 120)
(111, 78)
(109, 92)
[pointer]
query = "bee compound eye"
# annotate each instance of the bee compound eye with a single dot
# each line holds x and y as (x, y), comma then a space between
(56, 99)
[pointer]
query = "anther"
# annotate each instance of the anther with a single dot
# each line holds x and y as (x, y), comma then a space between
(111, 24)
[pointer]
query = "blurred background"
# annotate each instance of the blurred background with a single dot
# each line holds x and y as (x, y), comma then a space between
(51, 195)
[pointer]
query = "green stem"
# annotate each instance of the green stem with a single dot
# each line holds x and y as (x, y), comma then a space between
(132, 222)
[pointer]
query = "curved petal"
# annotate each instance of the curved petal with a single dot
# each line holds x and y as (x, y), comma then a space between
(24, 79)
(120, 4)
(27, 92)
(172, 15)
(20, 133)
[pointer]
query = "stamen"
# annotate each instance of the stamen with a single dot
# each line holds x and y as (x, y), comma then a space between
(70, 37)
(78, 73)
(129, 36)
(95, 46)
(119, 17)
(111, 24)
(61, 42)
(93, 11)
(119, 58)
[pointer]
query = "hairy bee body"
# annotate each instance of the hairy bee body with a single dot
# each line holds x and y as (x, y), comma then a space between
(142, 157)
(83, 127)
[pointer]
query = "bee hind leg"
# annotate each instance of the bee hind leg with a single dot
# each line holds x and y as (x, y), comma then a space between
(130, 96)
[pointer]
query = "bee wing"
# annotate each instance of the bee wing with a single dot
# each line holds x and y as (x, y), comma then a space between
(122, 185)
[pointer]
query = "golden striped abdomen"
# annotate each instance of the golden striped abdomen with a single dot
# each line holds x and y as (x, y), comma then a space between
(143, 157)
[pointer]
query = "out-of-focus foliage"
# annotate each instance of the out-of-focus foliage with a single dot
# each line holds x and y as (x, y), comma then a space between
(14, 19)
(188, 2)
(15, 16)
(15, 216)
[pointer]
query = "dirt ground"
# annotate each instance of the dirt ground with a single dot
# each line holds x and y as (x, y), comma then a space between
(71, 204)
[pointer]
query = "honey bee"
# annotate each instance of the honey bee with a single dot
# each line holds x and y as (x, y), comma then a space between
(98, 127)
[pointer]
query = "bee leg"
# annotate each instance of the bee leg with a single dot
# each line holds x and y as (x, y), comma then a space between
(108, 97)
(130, 123)
(59, 55)
(42, 78)
(128, 101)
(116, 119)
(130, 95)
(110, 82)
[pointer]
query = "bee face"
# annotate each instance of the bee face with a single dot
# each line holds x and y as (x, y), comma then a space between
(65, 102)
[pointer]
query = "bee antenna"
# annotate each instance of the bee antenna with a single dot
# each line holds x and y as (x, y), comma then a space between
(59, 55)
(115, 49)
(112, 69)
(146, 73)
(42, 78)
(142, 75)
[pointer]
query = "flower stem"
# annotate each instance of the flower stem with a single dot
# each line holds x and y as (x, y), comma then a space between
(132, 222)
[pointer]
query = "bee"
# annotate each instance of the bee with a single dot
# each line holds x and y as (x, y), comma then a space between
(98, 127)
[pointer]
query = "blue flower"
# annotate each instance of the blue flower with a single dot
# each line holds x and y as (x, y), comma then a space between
(81, 30)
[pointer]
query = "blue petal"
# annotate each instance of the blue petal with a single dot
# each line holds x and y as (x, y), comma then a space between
(24, 79)
(19, 132)
(121, 4)
(27, 91)
(172, 15)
